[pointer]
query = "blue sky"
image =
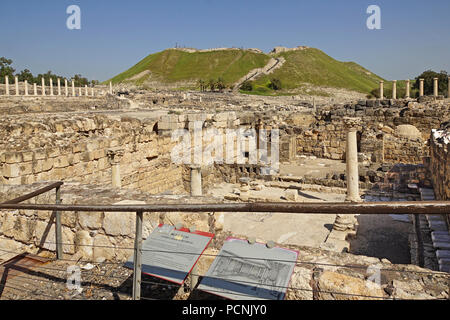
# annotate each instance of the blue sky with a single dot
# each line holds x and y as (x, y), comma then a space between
(115, 35)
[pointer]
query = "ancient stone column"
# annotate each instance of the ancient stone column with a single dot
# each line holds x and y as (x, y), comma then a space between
(16, 81)
(66, 90)
(26, 87)
(73, 89)
(92, 91)
(394, 89)
(435, 87)
(110, 87)
(196, 181)
(6, 85)
(35, 89)
(346, 222)
(86, 90)
(351, 124)
(43, 86)
(114, 156)
(79, 92)
(381, 89)
(408, 86)
(59, 86)
(421, 87)
(51, 86)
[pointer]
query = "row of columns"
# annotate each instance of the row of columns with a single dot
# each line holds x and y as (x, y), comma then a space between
(408, 86)
(66, 88)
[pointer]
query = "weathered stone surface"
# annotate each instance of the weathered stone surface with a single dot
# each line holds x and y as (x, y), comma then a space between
(351, 288)
(408, 131)
(301, 281)
(121, 223)
(90, 220)
(84, 244)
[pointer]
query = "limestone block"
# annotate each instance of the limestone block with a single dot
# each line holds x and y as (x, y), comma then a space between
(61, 162)
(69, 219)
(301, 278)
(90, 220)
(336, 282)
(121, 223)
(9, 245)
(11, 170)
(198, 220)
(408, 131)
(103, 248)
(83, 244)
(291, 195)
(45, 237)
(13, 157)
(27, 156)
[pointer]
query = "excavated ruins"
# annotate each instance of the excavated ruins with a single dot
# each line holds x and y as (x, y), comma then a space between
(119, 149)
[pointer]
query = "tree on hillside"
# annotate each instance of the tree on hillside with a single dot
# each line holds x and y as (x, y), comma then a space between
(275, 84)
(220, 84)
(212, 85)
(6, 70)
(201, 84)
(47, 76)
(26, 75)
(428, 77)
(246, 86)
(80, 81)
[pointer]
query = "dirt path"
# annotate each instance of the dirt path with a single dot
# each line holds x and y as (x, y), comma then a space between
(271, 66)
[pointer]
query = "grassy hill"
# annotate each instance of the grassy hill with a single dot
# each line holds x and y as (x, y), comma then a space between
(171, 66)
(302, 67)
(315, 67)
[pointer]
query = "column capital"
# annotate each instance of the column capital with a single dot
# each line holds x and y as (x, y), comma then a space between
(114, 155)
(351, 123)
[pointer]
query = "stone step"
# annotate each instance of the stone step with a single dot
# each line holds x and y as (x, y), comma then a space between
(441, 245)
(426, 191)
(443, 254)
(440, 233)
(437, 225)
(436, 217)
(440, 237)
(426, 194)
(444, 265)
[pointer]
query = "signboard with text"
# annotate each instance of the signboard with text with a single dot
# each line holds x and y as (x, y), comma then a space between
(244, 271)
(170, 253)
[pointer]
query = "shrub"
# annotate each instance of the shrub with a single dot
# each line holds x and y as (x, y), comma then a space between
(275, 84)
(246, 86)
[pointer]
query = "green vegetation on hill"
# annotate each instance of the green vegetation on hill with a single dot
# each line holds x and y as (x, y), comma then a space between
(302, 67)
(315, 67)
(177, 66)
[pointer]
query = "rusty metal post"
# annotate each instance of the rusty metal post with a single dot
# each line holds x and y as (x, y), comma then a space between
(58, 230)
(137, 260)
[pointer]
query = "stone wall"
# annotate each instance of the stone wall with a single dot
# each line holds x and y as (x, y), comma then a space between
(75, 148)
(92, 235)
(439, 164)
(392, 130)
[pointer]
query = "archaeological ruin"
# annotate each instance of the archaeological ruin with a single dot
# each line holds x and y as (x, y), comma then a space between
(187, 150)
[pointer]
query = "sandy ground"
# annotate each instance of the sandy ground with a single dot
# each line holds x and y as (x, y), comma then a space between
(317, 168)
(284, 228)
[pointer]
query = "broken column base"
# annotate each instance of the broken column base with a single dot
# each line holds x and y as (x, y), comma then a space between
(345, 222)
(344, 228)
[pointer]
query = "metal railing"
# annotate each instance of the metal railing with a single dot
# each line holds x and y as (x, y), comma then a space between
(405, 207)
